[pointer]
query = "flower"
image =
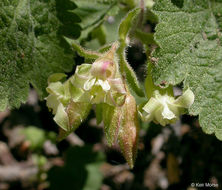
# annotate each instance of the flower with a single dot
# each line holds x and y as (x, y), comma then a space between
(99, 82)
(68, 114)
(165, 109)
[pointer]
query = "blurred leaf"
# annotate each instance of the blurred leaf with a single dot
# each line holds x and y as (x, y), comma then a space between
(81, 170)
(35, 136)
(111, 25)
(39, 160)
(92, 14)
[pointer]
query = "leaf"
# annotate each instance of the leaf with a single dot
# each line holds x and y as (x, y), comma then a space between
(190, 51)
(32, 47)
(92, 14)
(125, 68)
(35, 136)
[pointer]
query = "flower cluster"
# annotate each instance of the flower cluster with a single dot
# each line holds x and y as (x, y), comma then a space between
(94, 83)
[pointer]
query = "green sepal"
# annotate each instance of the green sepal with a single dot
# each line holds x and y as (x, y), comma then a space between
(164, 108)
(145, 38)
(111, 119)
(81, 51)
(56, 77)
(125, 69)
(99, 113)
(186, 100)
(128, 130)
(61, 117)
(76, 113)
(126, 24)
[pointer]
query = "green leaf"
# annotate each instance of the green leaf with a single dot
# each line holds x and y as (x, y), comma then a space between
(31, 47)
(92, 14)
(125, 68)
(190, 51)
(35, 136)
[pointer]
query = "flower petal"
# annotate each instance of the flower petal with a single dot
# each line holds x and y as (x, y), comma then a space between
(186, 100)
(167, 113)
(150, 108)
(61, 117)
(104, 84)
(89, 83)
(52, 102)
(81, 75)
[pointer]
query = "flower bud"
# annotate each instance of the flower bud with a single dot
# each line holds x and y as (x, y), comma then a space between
(105, 67)
(129, 130)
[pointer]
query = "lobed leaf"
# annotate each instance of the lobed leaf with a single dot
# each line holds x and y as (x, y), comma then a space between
(190, 51)
(32, 47)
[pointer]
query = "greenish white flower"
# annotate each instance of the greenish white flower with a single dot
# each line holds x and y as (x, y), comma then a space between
(165, 109)
(68, 114)
(99, 82)
(95, 83)
(58, 99)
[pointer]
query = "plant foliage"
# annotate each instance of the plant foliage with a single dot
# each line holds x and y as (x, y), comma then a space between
(190, 50)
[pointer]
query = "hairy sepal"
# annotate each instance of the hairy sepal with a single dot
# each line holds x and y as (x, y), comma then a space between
(125, 69)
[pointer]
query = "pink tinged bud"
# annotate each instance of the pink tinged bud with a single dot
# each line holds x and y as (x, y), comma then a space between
(105, 67)
(129, 130)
